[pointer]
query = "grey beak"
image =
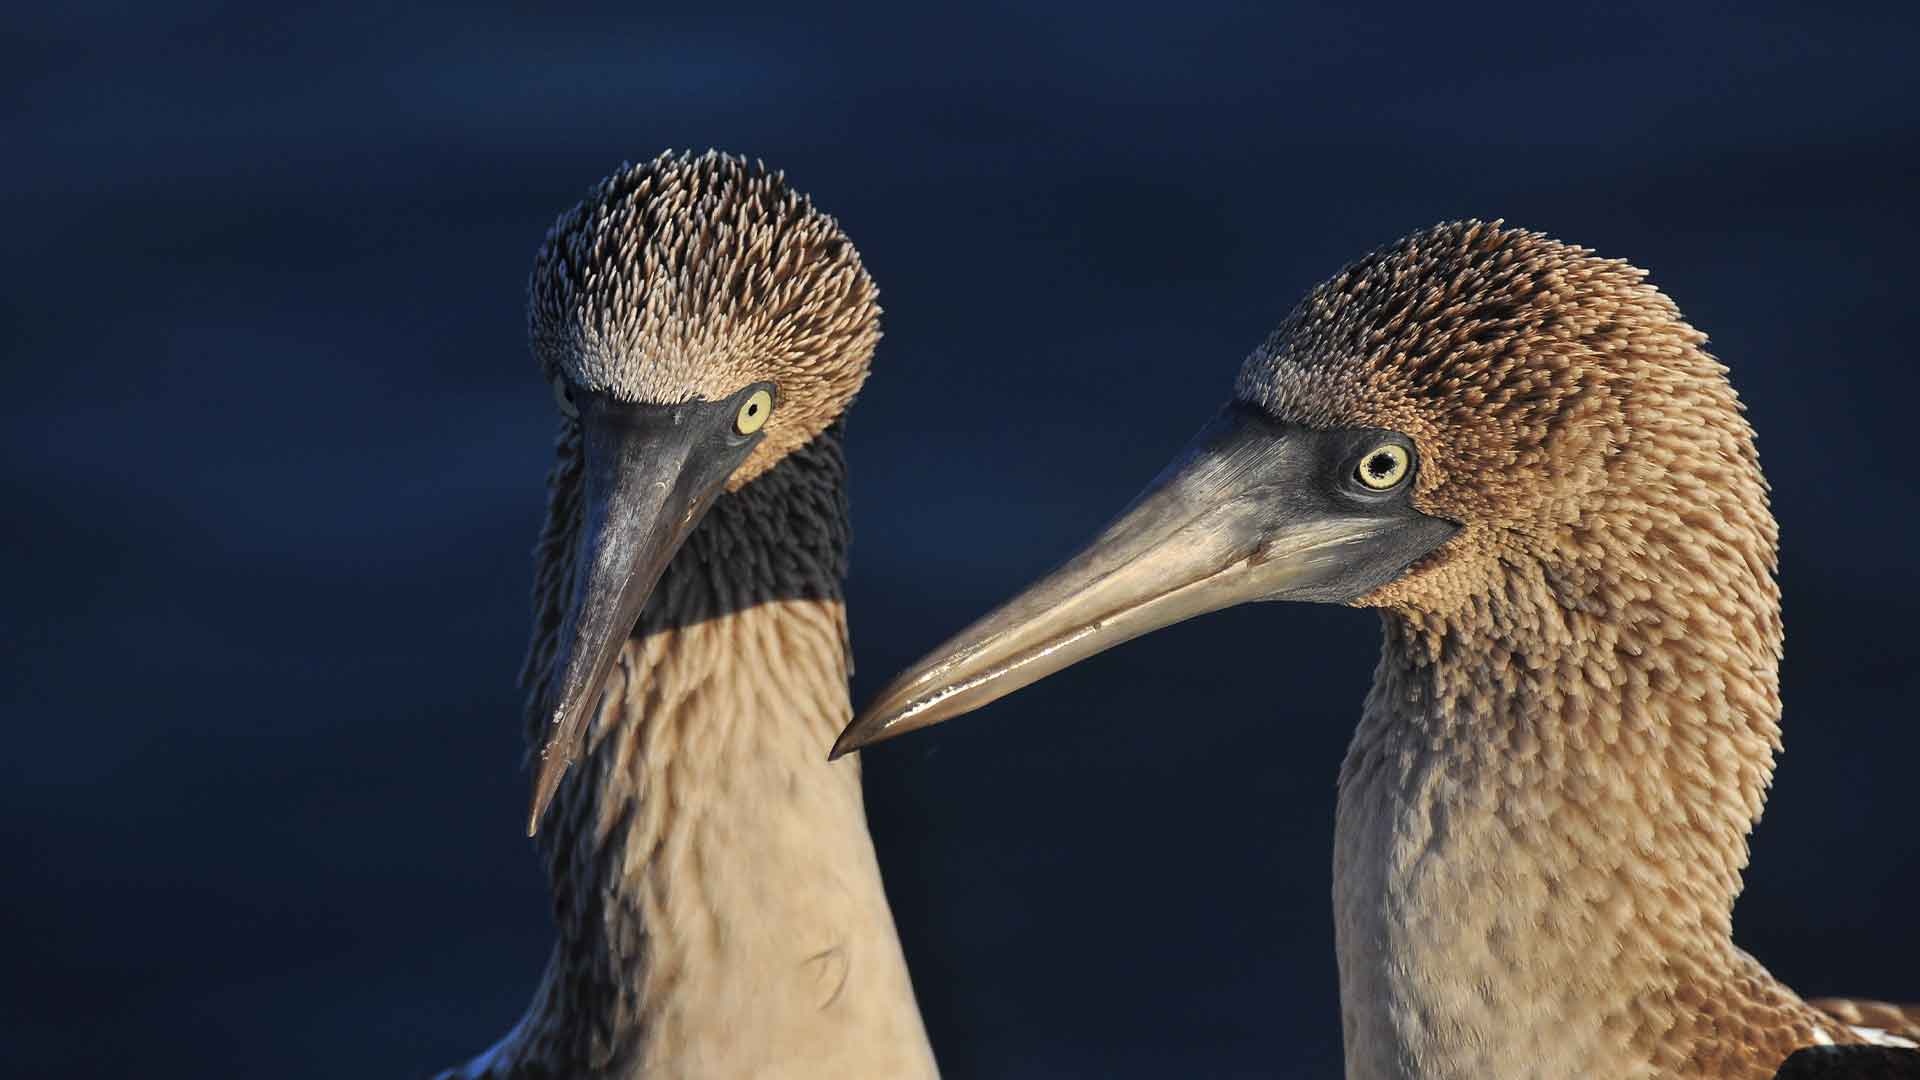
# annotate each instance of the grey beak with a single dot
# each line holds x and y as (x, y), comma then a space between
(651, 473)
(1243, 514)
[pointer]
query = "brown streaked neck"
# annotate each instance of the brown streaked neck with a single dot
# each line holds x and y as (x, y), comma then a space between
(719, 906)
(1542, 823)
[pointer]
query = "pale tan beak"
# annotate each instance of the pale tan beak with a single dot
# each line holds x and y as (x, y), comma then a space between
(1239, 516)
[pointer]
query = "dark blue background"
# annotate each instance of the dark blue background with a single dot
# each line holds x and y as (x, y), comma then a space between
(274, 447)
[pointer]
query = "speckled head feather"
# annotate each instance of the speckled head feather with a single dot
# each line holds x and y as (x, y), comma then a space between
(689, 278)
(1553, 395)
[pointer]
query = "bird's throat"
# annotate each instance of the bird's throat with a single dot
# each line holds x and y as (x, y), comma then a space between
(718, 903)
(1541, 828)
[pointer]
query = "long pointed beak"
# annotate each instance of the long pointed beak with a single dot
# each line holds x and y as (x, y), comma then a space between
(1244, 513)
(650, 474)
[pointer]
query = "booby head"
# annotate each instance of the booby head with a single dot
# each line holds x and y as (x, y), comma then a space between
(698, 321)
(1472, 403)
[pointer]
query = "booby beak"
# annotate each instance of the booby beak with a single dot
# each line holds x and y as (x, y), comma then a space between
(1250, 510)
(650, 474)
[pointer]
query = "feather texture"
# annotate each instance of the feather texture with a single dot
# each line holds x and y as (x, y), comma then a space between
(718, 904)
(1543, 816)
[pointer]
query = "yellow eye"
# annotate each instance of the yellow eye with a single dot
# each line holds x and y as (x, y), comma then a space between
(753, 413)
(1384, 466)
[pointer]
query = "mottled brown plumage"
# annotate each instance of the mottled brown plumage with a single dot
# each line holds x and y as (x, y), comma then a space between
(719, 907)
(689, 278)
(1544, 813)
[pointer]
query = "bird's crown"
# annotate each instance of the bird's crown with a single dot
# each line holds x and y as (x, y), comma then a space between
(1558, 401)
(690, 277)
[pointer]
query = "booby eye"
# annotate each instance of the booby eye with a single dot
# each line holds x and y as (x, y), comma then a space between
(1384, 466)
(753, 413)
(563, 399)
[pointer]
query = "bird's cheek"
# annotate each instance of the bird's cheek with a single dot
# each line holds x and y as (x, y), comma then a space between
(758, 462)
(1439, 583)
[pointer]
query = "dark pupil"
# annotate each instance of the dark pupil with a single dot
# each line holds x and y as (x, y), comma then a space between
(1381, 465)
(753, 408)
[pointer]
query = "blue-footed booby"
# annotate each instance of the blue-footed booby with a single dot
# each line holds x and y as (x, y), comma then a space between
(1527, 461)
(719, 907)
